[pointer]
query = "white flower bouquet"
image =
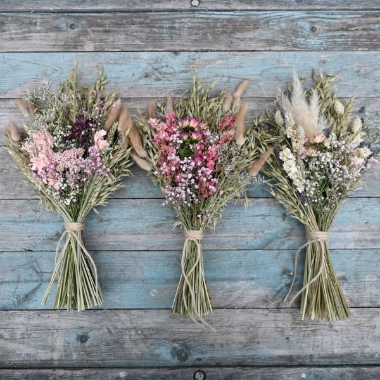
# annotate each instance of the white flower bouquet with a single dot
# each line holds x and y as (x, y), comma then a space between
(321, 153)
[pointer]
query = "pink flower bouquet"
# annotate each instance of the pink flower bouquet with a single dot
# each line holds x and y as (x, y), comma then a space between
(73, 154)
(199, 155)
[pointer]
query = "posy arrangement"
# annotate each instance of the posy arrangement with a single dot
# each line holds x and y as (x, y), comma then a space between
(321, 153)
(72, 153)
(198, 153)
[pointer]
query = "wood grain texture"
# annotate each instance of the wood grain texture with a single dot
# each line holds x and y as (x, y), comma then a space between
(220, 373)
(148, 280)
(179, 5)
(147, 338)
(178, 31)
(143, 224)
(148, 50)
(157, 74)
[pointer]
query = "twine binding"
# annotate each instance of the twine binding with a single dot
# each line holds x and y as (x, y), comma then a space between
(312, 237)
(70, 229)
(196, 236)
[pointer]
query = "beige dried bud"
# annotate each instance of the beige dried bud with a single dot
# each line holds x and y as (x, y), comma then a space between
(339, 107)
(125, 123)
(240, 89)
(256, 166)
(169, 104)
(32, 109)
(239, 124)
(278, 118)
(227, 102)
(22, 106)
(151, 111)
(356, 125)
(144, 164)
(13, 134)
(135, 141)
(114, 114)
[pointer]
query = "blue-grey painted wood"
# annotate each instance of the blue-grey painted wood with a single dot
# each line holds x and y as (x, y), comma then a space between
(148, 280)
(147, 338)
(185, 31)
(157, 74)
(248, 259)
(144, 224)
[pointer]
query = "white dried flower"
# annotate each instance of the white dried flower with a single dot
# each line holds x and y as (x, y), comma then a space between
(364, 152)
(356, 125)
(339, 107)
(278, 118)
(291, 168)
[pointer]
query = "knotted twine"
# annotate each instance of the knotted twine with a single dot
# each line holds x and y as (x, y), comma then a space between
(312, 237)
(196, 236)
(70, 229)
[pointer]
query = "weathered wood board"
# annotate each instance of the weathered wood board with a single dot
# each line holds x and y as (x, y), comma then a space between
(158, 74)
(244, 30)
(144, 224)
(148, 50)
(148, 280)
(147, 338)
(220, 373)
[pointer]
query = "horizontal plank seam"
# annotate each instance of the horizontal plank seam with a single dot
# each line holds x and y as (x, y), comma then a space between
(192, 367)
(285, 50)
(189, 10)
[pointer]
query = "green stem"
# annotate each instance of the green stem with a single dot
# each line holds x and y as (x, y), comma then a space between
(323, 298)
(197, 297)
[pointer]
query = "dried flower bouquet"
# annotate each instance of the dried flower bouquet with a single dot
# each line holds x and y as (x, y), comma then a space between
(199, 155)
(72, 154)
(321, 153)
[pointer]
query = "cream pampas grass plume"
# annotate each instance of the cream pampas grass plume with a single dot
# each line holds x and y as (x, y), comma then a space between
(305, 113)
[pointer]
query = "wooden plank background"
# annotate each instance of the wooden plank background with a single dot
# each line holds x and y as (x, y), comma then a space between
(148, 50)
